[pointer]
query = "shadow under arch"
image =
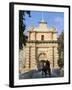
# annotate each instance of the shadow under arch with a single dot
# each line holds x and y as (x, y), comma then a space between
(42, 57)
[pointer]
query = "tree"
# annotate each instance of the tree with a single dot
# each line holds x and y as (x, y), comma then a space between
(22, 26)
(61, 50)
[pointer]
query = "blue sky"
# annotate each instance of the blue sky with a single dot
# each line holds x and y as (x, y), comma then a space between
(53, 19)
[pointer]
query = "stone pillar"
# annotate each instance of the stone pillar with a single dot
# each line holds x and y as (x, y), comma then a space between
(33, 58)
(55, 57)
(27, 59)
(50, 56)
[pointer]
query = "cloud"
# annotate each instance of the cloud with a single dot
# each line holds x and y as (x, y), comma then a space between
(59, 19)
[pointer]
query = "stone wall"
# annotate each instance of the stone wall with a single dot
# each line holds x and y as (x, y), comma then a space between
(29, 56)
(47, 36)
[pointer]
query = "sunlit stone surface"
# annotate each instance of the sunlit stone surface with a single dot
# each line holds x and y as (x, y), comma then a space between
(41, 45)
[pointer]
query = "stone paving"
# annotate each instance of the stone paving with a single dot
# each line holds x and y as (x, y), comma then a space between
(38, 74)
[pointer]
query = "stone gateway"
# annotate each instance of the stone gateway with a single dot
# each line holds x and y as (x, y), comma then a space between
(42, 44)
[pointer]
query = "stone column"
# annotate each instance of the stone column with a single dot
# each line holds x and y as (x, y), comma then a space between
(27, 64)
(50, 56)
(33, 58)
(55, 57)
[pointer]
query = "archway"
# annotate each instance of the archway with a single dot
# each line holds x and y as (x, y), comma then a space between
(41, 60)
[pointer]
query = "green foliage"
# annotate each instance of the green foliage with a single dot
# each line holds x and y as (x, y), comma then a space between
(61, 50)
(22, 26)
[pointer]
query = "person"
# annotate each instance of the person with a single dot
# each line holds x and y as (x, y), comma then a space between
(43, 65)
(48, 68)
(43, 68)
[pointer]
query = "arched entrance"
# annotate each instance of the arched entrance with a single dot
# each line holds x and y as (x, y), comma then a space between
(41, 60)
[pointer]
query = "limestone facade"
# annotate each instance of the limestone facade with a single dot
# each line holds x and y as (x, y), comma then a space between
(42, 44)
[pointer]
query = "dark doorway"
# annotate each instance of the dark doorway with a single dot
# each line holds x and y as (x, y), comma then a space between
(41, 64)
